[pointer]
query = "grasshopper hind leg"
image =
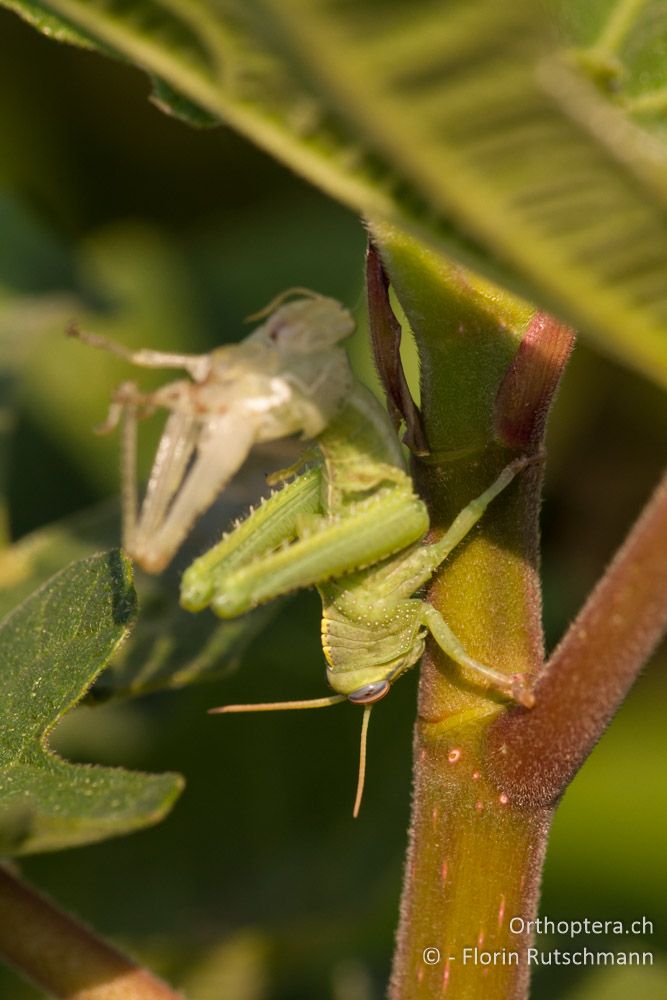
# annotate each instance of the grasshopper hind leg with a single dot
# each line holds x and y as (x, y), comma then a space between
(128, 462)
(514, 686)
(124, 412)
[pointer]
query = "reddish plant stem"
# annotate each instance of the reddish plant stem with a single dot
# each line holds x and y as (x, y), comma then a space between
(535, 755)
(61, 955)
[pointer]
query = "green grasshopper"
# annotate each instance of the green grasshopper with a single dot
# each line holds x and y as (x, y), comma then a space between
(349, 524)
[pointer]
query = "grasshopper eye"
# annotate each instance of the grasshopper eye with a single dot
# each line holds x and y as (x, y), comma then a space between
(369, 693)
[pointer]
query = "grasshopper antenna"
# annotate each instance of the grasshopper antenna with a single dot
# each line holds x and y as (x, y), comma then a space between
(306, 293)
(362, 761)
(280, 706)
(335, 699)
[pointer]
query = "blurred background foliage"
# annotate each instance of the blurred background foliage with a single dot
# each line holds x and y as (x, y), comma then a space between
(260, 886)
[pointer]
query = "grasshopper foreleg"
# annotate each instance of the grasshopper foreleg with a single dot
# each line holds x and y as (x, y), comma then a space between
(197, 365)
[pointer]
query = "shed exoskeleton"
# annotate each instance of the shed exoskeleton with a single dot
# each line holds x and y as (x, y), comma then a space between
(287, 376)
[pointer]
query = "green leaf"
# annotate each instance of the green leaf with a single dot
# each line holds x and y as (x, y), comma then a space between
(51, 24)
(168, 648)
(53, 647)
(455, 122)
(172, 103)
(620, 45)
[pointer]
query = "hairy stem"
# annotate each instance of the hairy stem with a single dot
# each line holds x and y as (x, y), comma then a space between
(489, 368)
(488, 775)
(536, 755)
(63, 957)
(475, 858)
(474, 866)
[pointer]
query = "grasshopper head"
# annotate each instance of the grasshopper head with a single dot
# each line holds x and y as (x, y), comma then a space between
(307, 325)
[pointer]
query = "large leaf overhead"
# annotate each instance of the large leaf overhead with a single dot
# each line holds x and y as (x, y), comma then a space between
(52, 648)
(456, 121)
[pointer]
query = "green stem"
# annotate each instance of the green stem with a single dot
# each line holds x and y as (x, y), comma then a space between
(489, 368)
(474, 864)
(475, 858)
(63, 957)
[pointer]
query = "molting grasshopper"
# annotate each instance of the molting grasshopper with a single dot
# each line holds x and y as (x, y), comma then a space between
(349, 524)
